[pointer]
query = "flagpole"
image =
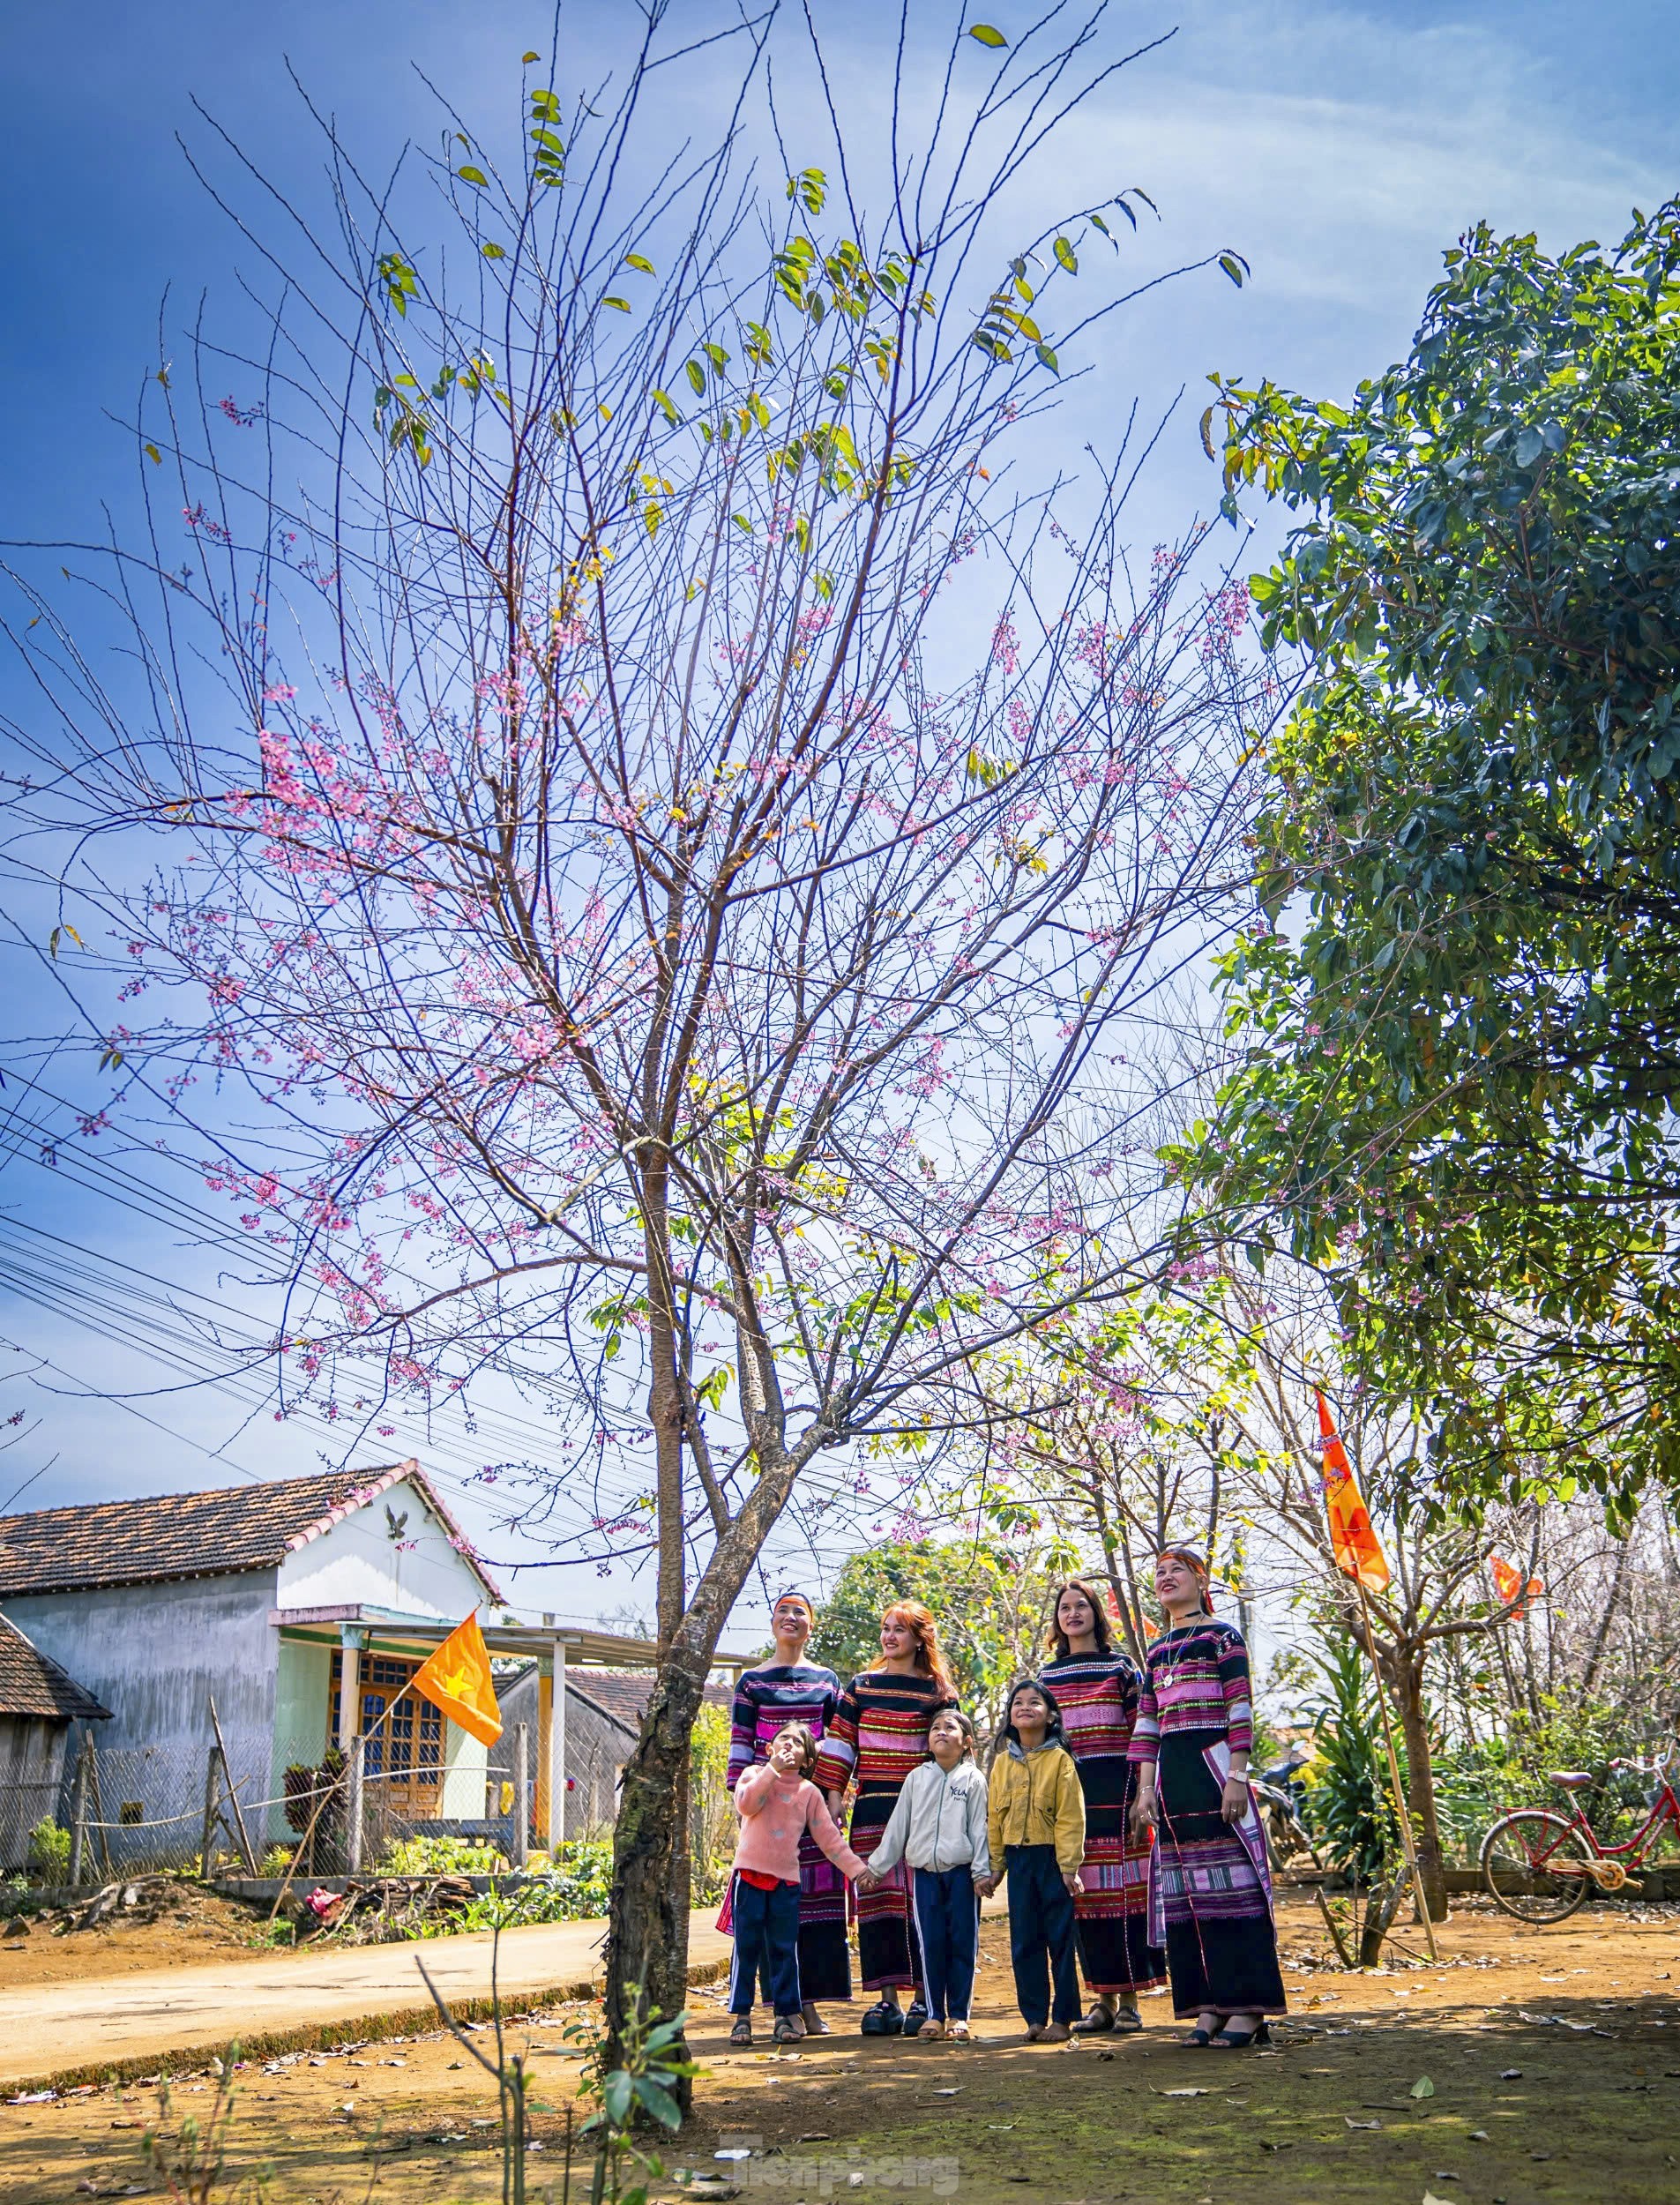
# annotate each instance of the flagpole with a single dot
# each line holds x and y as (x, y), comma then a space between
(1407, 1838)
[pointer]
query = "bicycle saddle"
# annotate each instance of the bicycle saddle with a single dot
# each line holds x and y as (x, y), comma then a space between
(1571, 1779)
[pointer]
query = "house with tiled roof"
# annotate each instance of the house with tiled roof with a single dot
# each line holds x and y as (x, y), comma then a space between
(292, 1605)
(293, 1614)
(39, 1701)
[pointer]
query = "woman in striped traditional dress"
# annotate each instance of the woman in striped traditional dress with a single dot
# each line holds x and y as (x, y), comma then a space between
(1097, 1685)
(878, 1734)
(1209, 1886)
(790, 1689)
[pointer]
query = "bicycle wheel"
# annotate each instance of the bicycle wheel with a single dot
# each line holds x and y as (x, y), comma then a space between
(1532, 1863)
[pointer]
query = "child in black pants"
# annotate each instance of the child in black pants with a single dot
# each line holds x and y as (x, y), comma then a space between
(1037, 1831)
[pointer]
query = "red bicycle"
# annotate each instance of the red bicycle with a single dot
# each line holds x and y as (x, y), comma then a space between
(1539, 1865)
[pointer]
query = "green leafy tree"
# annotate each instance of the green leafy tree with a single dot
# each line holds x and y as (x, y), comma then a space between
(987, 1599)
(1459, 1083)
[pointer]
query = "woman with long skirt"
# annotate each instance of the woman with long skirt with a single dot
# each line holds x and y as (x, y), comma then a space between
(790, 1689)
(1097, 1685)
(878, 1734)
(1210, 1887)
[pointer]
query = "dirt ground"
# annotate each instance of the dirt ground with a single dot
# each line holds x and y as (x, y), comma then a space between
(1553, 2058)
(195, 1929)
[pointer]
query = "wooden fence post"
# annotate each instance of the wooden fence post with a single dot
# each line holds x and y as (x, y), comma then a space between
(354, 1805)
(78, 1813)
(207, 1843)
(521, 1806)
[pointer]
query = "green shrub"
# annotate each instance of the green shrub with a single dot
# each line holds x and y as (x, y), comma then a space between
(575, 1890)
(443, 1856)
(50, 1851)
(277, 1859)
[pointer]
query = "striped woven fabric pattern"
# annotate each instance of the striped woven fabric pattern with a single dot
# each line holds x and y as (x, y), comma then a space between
(878, 1734)
(767, 1698)
(1098, 1694)
(1196, 1677)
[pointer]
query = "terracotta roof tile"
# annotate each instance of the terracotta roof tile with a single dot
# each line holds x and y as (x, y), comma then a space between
(623, 1693)
(191, 1534)
(33, 1684)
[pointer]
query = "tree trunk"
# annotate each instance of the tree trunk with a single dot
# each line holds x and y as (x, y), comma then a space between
(647, 1943)
(1406, 1668)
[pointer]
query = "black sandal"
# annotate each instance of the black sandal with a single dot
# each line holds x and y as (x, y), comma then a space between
(1232, 2040)
(1097, 2022)
(1127, 2021)
(1200, 2037)
(882, 2019)
(742, 2033)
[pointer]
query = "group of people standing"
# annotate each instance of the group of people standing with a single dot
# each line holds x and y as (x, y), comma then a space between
(1117, 1811)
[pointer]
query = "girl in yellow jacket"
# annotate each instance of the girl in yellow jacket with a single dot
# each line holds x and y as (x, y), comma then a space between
(1036, 1828)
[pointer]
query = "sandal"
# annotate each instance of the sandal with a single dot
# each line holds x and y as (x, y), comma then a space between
(742, 2033)
(1097, 2022)
(1235, 2040)
(957, 2032)
(1127, 2021)
(1200, 2037)
(882, 2019)
(788, 2029)
(933, 2032)
(915, 2019)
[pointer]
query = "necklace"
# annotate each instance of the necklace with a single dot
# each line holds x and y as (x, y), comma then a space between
(1169, 1676)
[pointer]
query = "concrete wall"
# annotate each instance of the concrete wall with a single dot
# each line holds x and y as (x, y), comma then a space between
(153, 1655)
(418, 1573)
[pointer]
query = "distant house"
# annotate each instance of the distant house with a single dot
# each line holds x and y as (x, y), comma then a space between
(604, 1711)
(39, 1702)
(302, 1608)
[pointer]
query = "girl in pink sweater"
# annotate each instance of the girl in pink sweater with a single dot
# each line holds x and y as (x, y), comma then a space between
(777, 1803)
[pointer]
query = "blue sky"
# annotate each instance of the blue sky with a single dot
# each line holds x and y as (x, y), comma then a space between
(1339, 148)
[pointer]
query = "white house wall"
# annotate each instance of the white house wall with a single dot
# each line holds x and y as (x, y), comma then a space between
(419, 1572)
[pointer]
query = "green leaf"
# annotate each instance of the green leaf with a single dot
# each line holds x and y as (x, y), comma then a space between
(1047, 358)
(1235, 267)
(618, 2094)
(667, 408)
(155, 455)
(622, 304)
(494, 252)
(640, 262)
(1066, 254)
(697, 378)
(985, 35)
(659, 2102)
(526, 59)
(1422, 2087)
(469, 174)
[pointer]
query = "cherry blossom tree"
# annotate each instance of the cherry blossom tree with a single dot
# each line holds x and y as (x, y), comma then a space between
(659, 855)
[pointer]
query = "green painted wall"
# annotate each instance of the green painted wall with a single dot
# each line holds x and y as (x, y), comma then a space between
(300, 1697)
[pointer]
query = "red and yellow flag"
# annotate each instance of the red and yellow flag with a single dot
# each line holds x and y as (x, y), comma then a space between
(1508, 1584)
(1356, 1546)
(457, 1678)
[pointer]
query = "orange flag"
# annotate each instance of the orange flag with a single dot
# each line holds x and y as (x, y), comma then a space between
(1508, 1584)
(457, 1678)
(1357, 1547)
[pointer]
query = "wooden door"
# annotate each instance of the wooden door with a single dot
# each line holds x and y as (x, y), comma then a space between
(403, 1762)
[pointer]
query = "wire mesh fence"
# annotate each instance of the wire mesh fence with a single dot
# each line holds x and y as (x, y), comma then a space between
(91, 1811)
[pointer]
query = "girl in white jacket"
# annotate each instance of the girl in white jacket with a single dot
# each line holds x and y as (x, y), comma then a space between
(939, 1826)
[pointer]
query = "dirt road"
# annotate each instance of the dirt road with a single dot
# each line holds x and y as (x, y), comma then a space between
(139, 2022)
(1552, 2057)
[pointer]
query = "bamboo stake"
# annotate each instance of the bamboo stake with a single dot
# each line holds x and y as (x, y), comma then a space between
(245, 1847)
(1408, 1837)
